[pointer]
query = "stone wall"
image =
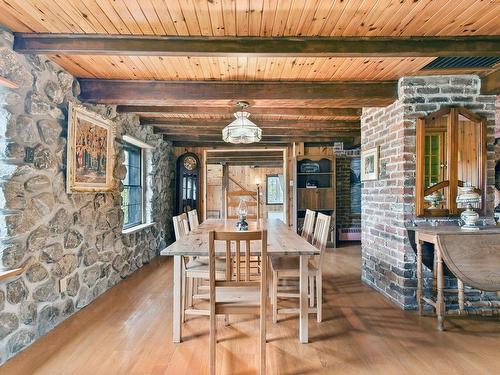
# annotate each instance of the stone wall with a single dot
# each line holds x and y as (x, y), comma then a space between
(388, 259)
(50, 233)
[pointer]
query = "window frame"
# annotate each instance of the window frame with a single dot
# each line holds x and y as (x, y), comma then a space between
(131, 146)
(267, 191)
(129, 141)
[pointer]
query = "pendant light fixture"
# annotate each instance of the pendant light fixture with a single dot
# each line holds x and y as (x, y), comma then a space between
(241, 130)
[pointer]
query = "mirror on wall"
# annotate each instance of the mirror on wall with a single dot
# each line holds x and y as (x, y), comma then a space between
(451, 152)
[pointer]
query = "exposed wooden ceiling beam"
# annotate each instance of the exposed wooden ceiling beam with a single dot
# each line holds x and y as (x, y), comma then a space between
(221, 145)
(271, 163)
(265, 138)
(305, 125)
(266, 134)
(490, 84)
(355, 93)
(295, 111)
(134, 45)
(266, 131)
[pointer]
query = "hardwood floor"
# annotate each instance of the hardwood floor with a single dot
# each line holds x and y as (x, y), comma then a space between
(128, 331)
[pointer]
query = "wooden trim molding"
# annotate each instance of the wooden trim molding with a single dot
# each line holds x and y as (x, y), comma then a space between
(7, 83)
(138, 45)
(6, 274)
(420, 167)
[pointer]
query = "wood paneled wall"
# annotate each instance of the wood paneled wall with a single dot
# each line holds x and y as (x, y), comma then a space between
(247, 177)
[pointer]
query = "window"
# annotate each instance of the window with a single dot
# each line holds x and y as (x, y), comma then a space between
(133, 193)
(274, 190)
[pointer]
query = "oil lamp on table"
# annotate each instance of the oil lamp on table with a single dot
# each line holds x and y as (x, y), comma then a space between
(242, 215)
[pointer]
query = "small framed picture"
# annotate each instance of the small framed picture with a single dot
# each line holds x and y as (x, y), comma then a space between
(90, 156)
(369, 164)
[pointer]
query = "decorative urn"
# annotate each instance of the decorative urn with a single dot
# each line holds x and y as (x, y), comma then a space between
(434, 199)
(467, 196)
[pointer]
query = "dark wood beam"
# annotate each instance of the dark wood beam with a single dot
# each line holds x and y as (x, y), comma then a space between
(265, 138)
(213, 145)
(159, 92)
(134, 45)
(219, 124)
(271, 163)
(266, 133)
(490, 84)
(277, 111)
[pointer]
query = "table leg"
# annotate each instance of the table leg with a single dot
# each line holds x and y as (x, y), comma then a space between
(304, 305)
(440, 310)
(177, 300)
(461, 296)
(419, 277)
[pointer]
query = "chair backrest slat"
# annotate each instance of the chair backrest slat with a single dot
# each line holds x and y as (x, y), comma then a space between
(181, 226)
(233, 258)
(321, 231)
(308, 226)
(193, 219)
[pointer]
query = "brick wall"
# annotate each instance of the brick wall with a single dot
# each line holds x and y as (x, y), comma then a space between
(388, 259)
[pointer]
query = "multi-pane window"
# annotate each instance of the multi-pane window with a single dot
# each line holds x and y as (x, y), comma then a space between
(274, 191)
(132, 194)
(434, 156)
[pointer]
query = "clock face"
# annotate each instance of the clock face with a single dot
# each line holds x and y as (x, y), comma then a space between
(190, 163)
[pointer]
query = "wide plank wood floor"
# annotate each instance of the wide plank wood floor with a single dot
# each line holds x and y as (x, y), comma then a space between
(128, 331)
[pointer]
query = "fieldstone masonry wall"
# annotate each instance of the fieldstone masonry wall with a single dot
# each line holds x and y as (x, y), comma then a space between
(54, 235)
(388, 259)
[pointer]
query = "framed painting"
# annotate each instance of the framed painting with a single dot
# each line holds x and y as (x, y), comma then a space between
(90, 153)
(369, 164)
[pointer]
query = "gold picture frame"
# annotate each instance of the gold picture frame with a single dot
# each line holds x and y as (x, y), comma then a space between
(369, 164)
(90, 151)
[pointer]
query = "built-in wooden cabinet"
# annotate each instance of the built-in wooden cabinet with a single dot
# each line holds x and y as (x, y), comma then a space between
(451, 152)
(315, 187)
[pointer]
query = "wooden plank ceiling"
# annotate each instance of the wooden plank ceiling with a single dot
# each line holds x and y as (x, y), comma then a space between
(331, 114)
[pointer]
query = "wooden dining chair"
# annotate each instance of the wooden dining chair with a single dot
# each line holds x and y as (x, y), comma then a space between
(181, 225)
(289, 267)
(194, 270)
(235, 295)
(193, 219)
(308, 225)
(252, 199)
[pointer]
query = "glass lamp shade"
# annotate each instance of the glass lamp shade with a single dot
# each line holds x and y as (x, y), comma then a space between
(241, 130)
(242, 208)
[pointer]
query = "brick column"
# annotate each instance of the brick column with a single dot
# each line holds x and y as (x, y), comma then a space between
(388, 203)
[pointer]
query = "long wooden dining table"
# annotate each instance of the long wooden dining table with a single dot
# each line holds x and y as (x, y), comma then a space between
(282, 241)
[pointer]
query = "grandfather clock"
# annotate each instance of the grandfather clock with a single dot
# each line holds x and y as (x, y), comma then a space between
(188, 182)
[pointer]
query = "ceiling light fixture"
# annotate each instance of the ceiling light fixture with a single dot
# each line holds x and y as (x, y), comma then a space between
(242, 130)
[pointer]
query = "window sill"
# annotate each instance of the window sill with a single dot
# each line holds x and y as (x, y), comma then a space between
(5, 274)
(138, 228)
